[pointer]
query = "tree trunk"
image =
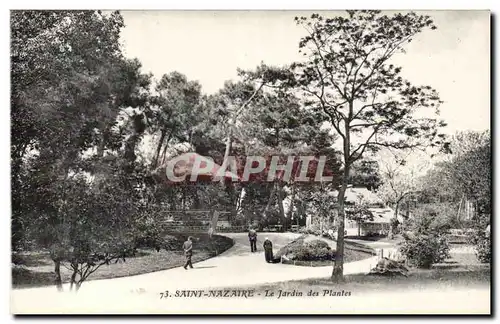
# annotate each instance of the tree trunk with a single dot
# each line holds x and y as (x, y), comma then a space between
(57, 270)
(184, 200)
(359, 229)
(391, 227)
(173, 199)
(73, 276)
(158, 148)
(234, 198)
(280, 203)
(164, 152)
(292, 199)
(396, 214)
(130, 146)
(226, 153)
(270, 200)
(239, 202)
(338, 268)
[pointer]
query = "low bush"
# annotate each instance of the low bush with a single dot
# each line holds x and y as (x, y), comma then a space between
(372, 234)
(395, 226)
(311, 254)
(171, 243)
(316, 250)
(388, 267)
(292, 246)
(482, 244)
(423, 250)
(425, 242)
(316, 244)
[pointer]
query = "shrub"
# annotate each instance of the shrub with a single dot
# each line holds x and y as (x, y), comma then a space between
(148, 234)
(388, 267)
(317, 244)
(482, 244)
(424, 250)
(292, 246)
(323, 254)
(300, 253)
(149, 239)
(428, 219)
(313, 230)
(395, 225)
(307, 251)
(172, 243)
(426, 242)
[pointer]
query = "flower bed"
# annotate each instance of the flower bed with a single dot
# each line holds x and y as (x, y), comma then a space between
(304, 251)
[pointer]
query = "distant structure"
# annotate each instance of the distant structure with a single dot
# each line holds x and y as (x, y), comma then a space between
(382, 214)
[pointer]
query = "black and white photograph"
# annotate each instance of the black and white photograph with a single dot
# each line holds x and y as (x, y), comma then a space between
(258, 162)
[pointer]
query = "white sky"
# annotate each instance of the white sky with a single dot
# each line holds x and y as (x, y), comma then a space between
(209, 47)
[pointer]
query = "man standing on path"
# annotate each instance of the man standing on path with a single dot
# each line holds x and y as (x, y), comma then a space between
(268, 250)
(252, 237)
(188, 252)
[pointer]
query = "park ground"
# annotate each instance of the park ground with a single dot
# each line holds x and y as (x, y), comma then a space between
(450, 289)
(38, 268)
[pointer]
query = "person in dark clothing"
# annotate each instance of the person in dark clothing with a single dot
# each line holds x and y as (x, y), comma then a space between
(268, 250)
(188, 252)
(252, 237)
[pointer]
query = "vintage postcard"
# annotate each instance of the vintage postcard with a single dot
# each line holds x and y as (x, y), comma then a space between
(250, 162)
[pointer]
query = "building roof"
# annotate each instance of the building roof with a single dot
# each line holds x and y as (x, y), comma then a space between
(381, 215)
(185, 163)
(354, 195)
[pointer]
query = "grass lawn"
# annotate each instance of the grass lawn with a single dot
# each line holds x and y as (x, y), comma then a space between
(462, 269)
(478, 276)
(462, 255)
(452, 239)
(38, 268)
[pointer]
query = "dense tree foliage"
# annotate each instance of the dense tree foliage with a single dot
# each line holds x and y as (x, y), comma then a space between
(90, 131)
(464, 175)
(74, 172)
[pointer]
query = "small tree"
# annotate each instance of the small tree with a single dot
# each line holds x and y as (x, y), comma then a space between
(91, 226)
(347, 76)
(87, 257)
(359, 213)
(321, 203)
(400, 172)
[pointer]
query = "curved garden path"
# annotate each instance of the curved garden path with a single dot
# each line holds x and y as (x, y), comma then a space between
(236, 267)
